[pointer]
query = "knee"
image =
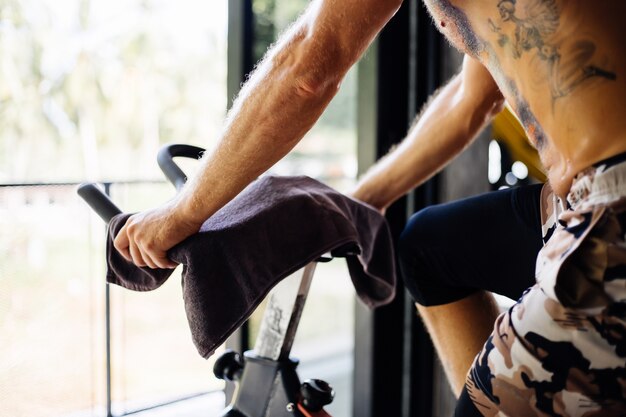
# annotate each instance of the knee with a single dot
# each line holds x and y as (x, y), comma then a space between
(415, 251)
(416, 237)
(427, 259)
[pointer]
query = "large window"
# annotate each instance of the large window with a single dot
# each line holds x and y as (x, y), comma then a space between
(91, 89)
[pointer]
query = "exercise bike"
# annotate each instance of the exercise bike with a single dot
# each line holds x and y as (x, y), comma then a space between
(267, 383)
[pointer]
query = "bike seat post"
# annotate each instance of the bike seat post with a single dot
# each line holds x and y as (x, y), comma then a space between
(268, 381)
(282, 315)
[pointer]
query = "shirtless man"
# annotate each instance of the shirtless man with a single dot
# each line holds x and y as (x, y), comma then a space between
(561, 66)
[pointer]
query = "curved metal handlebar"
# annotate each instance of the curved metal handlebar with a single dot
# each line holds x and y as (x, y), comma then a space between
(98, 201)
(106, 209)
(172, 171)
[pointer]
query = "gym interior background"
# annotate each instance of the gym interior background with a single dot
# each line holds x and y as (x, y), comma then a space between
(90, 90)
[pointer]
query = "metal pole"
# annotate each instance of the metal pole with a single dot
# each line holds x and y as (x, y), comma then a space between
(107, 329)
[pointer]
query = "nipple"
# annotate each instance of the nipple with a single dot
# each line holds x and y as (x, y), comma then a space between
(442, 24)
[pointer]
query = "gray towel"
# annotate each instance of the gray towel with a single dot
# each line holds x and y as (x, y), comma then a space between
(274, 227)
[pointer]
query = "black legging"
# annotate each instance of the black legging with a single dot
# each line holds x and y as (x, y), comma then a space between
(465, 407)
(489, 242)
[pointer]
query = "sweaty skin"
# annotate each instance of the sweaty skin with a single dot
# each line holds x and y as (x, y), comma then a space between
(560, 64)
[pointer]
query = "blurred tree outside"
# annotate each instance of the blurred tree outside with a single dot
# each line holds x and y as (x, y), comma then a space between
(92, 88)
(89, 90)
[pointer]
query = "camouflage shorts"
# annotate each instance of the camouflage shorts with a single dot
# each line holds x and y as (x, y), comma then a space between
(561, 349)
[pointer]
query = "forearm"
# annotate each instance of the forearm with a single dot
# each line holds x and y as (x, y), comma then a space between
(284, 97)
(447, 125)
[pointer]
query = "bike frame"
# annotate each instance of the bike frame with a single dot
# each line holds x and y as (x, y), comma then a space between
(267, 382)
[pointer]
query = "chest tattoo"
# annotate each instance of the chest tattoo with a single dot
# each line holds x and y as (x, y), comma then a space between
(530, 29)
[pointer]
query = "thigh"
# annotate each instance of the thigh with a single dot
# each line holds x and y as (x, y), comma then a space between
(487, 242)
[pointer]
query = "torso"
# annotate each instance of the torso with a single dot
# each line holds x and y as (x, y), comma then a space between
(560, 64)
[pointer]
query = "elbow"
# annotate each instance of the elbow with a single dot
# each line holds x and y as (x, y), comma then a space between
(311, 67)
(312, 87)
(316, 56)
(484, 112)
(490, 105)
(483, 107)
(486, 97)
(497, 105)
(315, 72)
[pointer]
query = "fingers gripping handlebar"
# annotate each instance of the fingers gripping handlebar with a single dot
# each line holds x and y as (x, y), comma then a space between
(106, 209)
(177, 177)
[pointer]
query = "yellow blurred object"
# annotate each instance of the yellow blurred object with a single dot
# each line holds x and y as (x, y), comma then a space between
(507, 129)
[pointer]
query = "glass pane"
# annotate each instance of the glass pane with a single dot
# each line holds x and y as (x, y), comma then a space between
(92, 89)
(52, 314)
(51, 310)
(153, 357)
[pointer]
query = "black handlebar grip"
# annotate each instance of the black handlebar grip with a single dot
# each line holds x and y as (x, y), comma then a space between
(98, 201)
(165, 159)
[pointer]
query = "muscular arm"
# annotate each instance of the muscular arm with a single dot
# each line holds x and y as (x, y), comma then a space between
(448, 123)
(282, 100)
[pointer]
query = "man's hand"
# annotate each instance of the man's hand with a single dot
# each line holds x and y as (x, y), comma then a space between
(147, 236)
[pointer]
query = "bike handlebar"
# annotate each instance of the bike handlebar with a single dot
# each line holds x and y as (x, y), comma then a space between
(98, 201)
(172, 171)
(106, 209)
